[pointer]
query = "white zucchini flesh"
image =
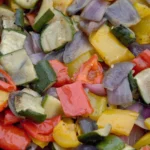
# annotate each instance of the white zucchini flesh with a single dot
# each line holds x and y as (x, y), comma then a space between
(11, 41)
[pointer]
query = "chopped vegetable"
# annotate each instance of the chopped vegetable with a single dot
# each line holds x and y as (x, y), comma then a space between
(113, 52)
(39, 143)
(10, 118)
(124, 35)
(65, 135)
(61, 72)
(142, 141)
(122, 121)
(42, 131)
(99, 104)
(46, 75)
(122, 12)
(73, 99)
(111, 142)
(19, 18)
(147, 123)
(95, 136)
(3, 100)
(90, 72)
(12, 137)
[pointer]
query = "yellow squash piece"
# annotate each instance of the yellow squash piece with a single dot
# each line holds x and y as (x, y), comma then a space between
(3, 98)
(147, 123)
(62, 5)
(64, 134)
(99, 104)
(13, 5)
(39, 143)
(108, 47)
(145, 140)
(75, 65)
(142, 10)
(142, 31)
(122, 121)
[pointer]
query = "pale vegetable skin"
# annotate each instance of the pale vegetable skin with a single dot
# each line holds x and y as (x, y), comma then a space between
(142, 10)
(142, 31)
(99, 104)
(112, 52)
(64, 134)
(122, 121)
(145, 140)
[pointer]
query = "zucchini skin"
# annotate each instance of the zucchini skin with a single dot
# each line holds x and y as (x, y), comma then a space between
(90, 138)
(124, 35)
(48, 15)
(19, 18)
(46, 75)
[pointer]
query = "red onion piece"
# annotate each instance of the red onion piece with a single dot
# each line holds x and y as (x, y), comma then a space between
(137, 107)
(36, 42)
(140, 122)
(114, 76)
(122, 95)
(90, 26)
(135, 135)
(77, 6)
(77, 47)
(95, 10)
(52, 91)
(122, 12)
(146, 112)
(35, 58)
(97, 89)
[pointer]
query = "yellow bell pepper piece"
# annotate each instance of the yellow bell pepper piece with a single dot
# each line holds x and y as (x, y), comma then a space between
(147, 123)
(75, 65)
(39, 143)
(108, 47)
(122, 121)
(13, 5)
(139, 1)
(62, 5)
(142, 31)
(145, 140)
(64, 135)
(99, 104)
(142, 10)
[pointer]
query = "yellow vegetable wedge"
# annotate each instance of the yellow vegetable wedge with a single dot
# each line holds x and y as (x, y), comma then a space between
(147, 123)
(142, 10)
(39, 143)
(98, 103)
(142, 31)
(108, 47)
(64, 134)
(145, 140)
(62, 5)
(122, 121)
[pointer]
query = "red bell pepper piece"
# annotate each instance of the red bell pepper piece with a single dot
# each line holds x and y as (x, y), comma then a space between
(145, 148)
(74, 100)
(10, 118)
(142, 61)
(8, 86)
(31, 17)
(1, 2)
(42, 131)
(3, 105)
(1, 118)
(13, 138)
(61, 72)
(90, 72)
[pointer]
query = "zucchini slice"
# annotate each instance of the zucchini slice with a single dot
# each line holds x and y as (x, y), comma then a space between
(27, 4)
(46, 75)
(95, 136)
(59, 31)
(12, 40)
(111, 142)
(45, 14)
(5, 11)
(143, 82)
(30, 107)
(125, 35)
(52, 106)
(31, 92)
(19, 66)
